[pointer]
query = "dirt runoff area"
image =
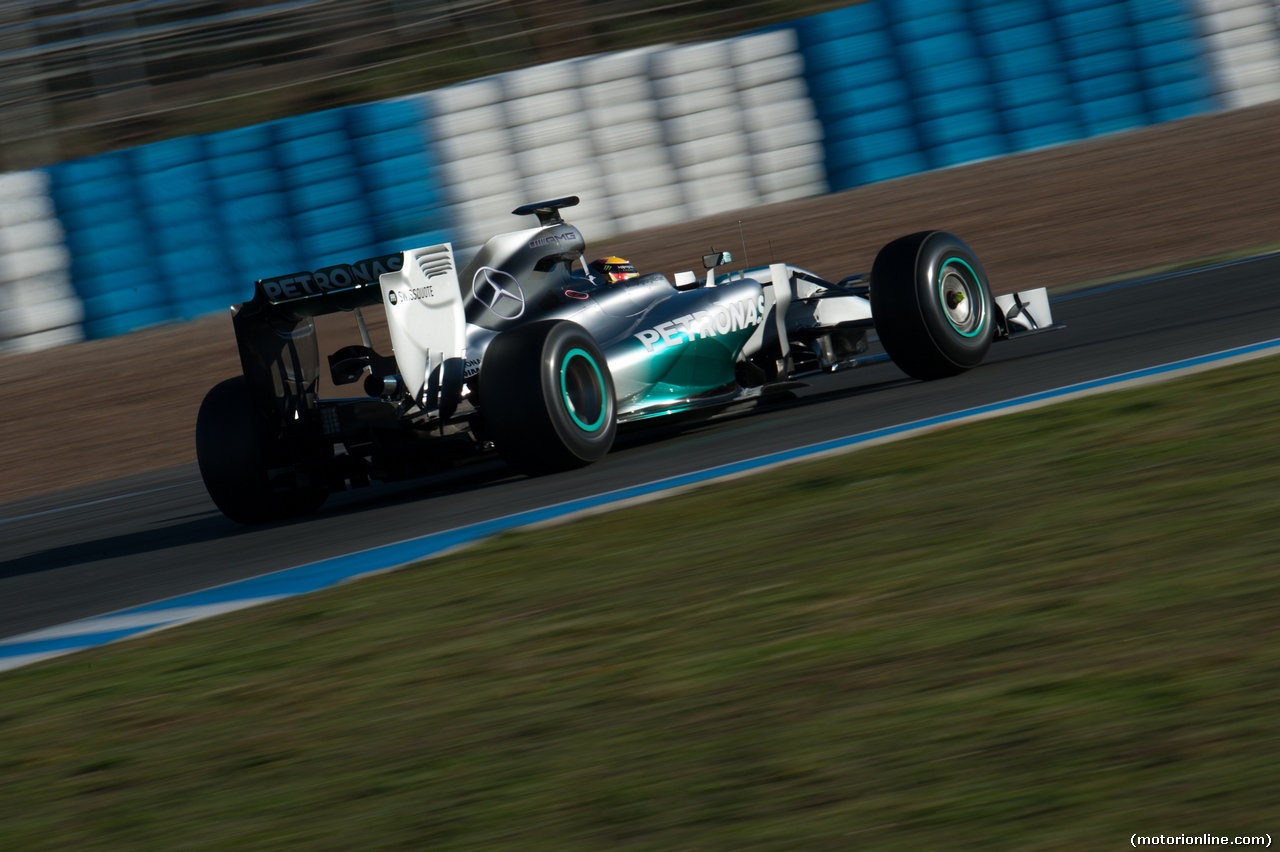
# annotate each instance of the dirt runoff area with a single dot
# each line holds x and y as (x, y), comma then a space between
(1175, 192)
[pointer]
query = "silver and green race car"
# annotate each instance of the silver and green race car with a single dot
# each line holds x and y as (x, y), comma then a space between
(522, 351)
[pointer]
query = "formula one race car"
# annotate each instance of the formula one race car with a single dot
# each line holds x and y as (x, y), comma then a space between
(524, 352)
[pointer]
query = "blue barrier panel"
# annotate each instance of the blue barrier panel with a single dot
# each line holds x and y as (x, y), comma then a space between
(388, 145)
(967, 150)
(994, 15)
(1150, 10)
(320, 171)
(92, 271)
(68, 174)
(1039, 114)
(1121, 112)
(382, 116)
(335, 217)
(881, 146)
(911, 10)
(244, 210)
(1189, 93)
(121, 313)
(402, 171)
(953, 128)
(232, 187)
(329, 220)
(252, 208)
(121, 301)
(875, 121)
(854, 76)
(415, 240)
(107, 234)
(169, 154)
(422, 200)
(341, 189)
(260, 248)
(929, 107)
(1107, 18)
(868, 99)
(938, 50)
(1182, 50)
(404, 196)
(1184, 109)
(340, 246)
(930, 26)
(1016, 65)
(1065, 7)
(330, 145)
(90, 215)
(949, 79)
(1110, 86)
(840, 53)
(1097, 41)
(112, 260)
(173, 184)
(1033, 89)
(309, 125)
(944, 78)
(1177, 72)
(243, 139)
(1044, 135)
(888, 169)
(187, 226)
(840, 23)
(1102, 64)
(180, 206)
(91, 194)
(1028, 36)
(241, 162)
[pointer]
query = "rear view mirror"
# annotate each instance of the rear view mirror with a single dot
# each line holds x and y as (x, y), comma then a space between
(710, 261)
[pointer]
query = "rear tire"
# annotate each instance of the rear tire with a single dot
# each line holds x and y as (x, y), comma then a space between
(547, 397)
(932, 305)
(235, 458)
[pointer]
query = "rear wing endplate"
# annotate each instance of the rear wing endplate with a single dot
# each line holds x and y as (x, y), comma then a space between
(428, 326)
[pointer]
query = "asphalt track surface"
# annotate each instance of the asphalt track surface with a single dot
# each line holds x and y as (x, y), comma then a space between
(92, 550)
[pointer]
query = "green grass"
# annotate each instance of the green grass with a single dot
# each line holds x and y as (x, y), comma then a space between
(1049, 630)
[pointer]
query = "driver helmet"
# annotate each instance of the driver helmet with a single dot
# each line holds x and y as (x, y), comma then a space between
(611, 270)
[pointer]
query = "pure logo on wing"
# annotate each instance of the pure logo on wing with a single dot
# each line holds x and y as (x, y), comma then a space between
(724, 318)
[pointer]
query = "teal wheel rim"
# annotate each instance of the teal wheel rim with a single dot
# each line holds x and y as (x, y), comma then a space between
(962, 296)
(582, 389)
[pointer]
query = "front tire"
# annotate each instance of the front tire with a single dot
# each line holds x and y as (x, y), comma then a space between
(547, 397)
(932, 305)
(235, 458)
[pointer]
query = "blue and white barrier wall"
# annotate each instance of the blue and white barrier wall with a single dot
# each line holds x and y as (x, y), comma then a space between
(877, 90)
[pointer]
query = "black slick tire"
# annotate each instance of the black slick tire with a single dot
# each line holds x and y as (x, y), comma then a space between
(235, 458)
(932, 305)
(547, 397)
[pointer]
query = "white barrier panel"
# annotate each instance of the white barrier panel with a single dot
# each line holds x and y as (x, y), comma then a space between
(645, 137)
(626, 134)
(38, 307)
(1240, 39)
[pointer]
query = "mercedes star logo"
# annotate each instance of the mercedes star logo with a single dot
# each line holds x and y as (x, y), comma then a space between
(499, 292)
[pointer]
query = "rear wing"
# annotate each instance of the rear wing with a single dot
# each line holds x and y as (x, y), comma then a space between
(280, 353)
(334, 288)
